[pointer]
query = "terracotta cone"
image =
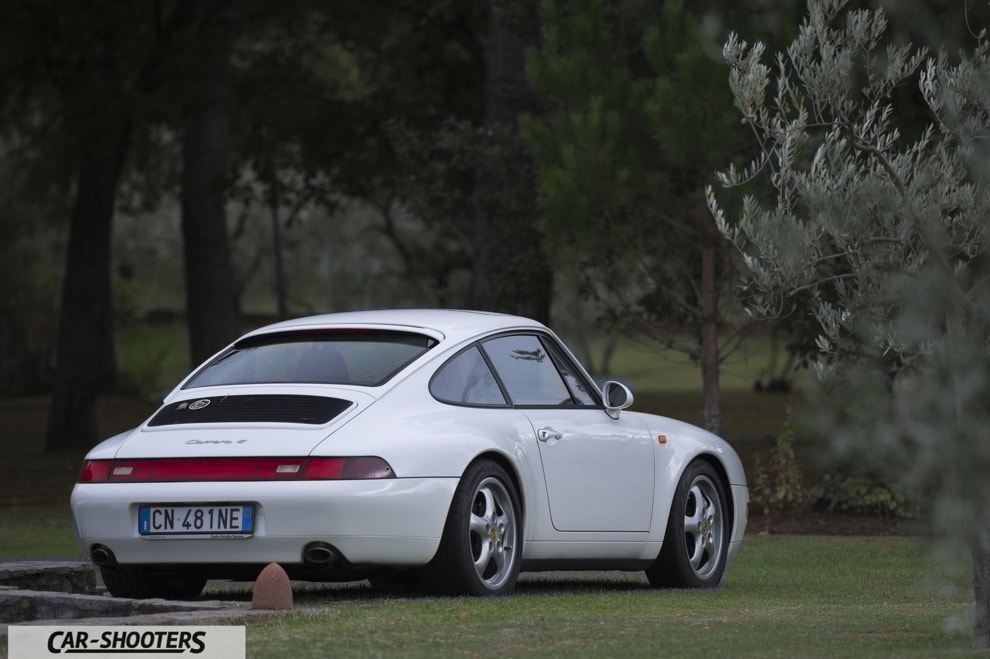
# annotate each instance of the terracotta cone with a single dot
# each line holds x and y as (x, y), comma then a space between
(272, 589)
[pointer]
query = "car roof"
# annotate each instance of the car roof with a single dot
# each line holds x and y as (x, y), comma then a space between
(447, 323)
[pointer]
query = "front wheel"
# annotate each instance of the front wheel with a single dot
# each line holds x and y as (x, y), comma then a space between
(696, 546)
(481, 548)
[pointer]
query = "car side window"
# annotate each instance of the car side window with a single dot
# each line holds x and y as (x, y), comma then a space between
(527, 371)
(467, 380)
(576, 384)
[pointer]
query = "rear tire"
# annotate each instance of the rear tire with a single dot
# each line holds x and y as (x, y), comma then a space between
(138, 583)
(481, 548)
(696, 546)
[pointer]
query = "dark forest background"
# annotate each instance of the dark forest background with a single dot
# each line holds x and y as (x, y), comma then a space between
(225, 162)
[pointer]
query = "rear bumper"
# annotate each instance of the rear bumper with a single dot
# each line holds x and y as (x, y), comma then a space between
(389, 522)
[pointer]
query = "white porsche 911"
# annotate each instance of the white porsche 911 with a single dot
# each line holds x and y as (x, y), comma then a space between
(445, 449)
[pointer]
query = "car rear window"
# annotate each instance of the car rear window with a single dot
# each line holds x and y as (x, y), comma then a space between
(367, 358)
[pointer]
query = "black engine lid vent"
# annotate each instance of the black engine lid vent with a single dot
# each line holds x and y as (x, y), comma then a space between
(310, 410)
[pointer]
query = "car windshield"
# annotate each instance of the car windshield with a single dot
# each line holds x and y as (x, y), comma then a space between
(367, 358)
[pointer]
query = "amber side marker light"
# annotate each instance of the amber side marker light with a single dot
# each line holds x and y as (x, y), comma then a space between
(234, 469)
(662, 439)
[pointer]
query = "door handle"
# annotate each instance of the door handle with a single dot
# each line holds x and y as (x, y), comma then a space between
(548, 433)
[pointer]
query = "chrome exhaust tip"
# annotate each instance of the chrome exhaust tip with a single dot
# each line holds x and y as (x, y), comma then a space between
(319, 553)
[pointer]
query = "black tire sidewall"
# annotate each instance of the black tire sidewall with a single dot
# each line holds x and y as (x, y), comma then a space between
(672, 567)
(452, 571)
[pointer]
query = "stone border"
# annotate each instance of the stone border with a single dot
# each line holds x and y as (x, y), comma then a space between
(65, 592)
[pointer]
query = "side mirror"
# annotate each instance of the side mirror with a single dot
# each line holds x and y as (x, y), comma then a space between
(617, 397)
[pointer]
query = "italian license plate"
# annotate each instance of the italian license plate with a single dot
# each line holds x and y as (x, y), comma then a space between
(219, 520)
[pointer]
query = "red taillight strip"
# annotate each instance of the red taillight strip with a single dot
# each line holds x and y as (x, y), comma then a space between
(233, 469)
(95, 471)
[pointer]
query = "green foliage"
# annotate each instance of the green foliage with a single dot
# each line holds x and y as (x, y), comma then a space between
(877, 227)
(777, 484)
(631, 126)
(866, 496)
(878, 236)
(625, 90)
(852, 193)
(633, 101)
(593, 128)
(426, 210)
(689, 92)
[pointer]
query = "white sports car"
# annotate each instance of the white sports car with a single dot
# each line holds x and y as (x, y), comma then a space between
(444, 449)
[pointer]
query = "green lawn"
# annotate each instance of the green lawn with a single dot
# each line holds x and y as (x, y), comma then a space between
(648, 367)
(153, 358)
(34, 505)
(786, 596)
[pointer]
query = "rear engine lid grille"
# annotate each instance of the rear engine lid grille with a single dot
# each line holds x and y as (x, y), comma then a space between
(309, 410)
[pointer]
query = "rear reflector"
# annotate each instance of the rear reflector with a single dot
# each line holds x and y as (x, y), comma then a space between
(346, 469)
(233, 469)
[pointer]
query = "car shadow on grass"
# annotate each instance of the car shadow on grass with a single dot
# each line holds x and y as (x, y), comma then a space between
(540, 584)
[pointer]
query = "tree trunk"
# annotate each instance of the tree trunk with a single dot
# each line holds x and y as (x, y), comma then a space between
(711, 388)
(510, 272)
(211, 301)
(86, 360)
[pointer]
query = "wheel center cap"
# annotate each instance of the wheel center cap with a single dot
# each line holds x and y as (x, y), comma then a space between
(706, 526)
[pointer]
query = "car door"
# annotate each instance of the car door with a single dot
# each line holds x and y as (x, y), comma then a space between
(599, 471)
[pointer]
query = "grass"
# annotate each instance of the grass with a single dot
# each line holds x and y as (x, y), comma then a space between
(650, 368)
(34, 500)
(788, 596)
(152, 357)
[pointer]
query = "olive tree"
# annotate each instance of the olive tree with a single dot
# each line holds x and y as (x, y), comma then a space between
(876, 223)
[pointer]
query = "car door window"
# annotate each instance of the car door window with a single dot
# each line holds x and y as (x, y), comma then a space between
(527, 371)
(467, 380)
(578, 387)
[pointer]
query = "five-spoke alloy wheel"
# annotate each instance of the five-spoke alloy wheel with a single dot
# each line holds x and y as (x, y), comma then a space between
(696, 545)
(482, 541)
